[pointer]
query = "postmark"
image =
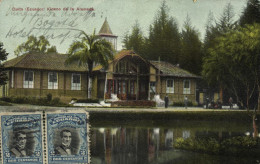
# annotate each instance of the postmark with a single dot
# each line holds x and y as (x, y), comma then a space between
(67, 137)
(21, 138)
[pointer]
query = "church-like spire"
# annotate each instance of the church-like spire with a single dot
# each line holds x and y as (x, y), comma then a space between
(106, 33)
(105, 29)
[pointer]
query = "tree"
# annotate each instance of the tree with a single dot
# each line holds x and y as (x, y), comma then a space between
(191, 52)
(91, 49)
(135, 41)
(226, 21)
(251, 13)
(33, 44)
(164, 38)
(3, 57)
(216, 28)
(234, 62)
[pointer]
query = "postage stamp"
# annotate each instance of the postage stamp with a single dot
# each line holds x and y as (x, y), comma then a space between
(21, 138)
(67, 137)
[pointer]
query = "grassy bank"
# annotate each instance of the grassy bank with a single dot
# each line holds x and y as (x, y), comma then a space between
(210, 115)
(235, 146)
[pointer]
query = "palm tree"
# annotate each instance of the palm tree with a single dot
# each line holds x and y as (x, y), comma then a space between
(91, 49)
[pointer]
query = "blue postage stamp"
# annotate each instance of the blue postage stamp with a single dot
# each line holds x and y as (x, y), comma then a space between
(67, 137)
(21, 138)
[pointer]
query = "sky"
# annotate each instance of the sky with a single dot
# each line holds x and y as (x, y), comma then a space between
(60, 21)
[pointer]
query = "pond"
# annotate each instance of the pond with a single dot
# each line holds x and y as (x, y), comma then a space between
(152, 141)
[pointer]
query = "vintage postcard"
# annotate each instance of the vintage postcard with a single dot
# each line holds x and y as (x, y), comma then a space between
(165, 81)
(67, 137)
(22, 138)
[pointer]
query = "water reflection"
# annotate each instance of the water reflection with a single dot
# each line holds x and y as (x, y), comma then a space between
(154, 145)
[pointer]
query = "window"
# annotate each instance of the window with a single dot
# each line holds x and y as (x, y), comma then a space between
(119, 87)
(152, 87)
(132, 87)
(75, 82)
(186, 87)
(28, 79)
(52, 80)
(109, 88)
(123, 87)
(169, 86)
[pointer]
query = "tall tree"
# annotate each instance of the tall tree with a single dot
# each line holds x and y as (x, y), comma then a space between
(3, 57)
(251, 13)
(135, 41)
(34, 44)
(91, 49)
(234, 62)
(211, 33)
(164, 37)
(191, 54)
(226, 21)
(216, 28)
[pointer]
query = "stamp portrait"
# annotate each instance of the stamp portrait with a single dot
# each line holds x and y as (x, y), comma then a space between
(67, 137)
(21, 138)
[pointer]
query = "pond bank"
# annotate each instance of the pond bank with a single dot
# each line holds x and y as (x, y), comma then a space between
(131, 114)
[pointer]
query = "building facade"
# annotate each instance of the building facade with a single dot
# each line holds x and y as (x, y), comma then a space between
(128, 76)
(131, 77)
(37, 74)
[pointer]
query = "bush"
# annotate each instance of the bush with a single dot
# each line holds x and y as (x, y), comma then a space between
(88, 101)
(242, 145)
(3, 103)
(49, 97)
(182, 104)
(35, 101)
(138, 103)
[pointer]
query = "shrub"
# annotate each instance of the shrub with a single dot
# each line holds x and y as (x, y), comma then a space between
(138, 103)
(35, 101)
(242, 145)
(88, 101)
(3, 103)
(180, 103)
(49, 97)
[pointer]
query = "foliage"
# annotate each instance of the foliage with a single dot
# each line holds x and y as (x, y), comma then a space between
(182, 104)
(242, 145)
(164, 38)
(138, 103)
(3, 103)
(216, 28)
(251, 13)
(34, 101)
(91, 49)
(226, 22)
(3, 57)
(87, 101)
(234, 61)
(191, 50)
(135, 41)
(49, 96)
(34, 44)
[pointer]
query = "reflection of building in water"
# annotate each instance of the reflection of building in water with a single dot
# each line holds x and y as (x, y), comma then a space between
(143, 145)
(169, 139)
(186, 134)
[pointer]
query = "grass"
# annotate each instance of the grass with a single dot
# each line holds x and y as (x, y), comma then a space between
(235, 146)
(3, 103)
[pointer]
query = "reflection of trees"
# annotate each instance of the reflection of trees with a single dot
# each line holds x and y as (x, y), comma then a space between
(255, 127)
(148, 145)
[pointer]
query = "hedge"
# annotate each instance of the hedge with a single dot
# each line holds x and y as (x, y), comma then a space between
(135, 103)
